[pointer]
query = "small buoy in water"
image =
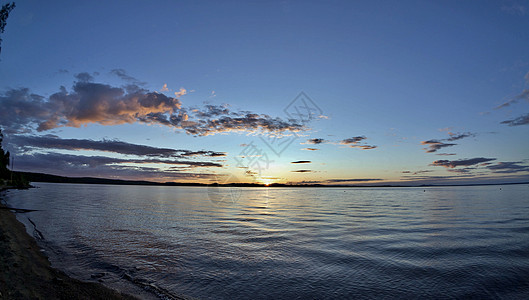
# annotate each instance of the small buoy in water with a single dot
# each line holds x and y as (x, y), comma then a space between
(424, 191)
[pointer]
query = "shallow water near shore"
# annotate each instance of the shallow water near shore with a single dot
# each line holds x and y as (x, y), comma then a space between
(287, 243)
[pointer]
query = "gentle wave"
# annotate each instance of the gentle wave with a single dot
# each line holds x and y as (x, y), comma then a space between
(288, 243)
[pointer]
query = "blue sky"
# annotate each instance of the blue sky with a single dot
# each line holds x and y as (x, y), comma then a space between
(401, 76)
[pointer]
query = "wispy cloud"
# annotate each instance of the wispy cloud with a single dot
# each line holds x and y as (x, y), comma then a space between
(29, 142)
(126, 77)
(461, 162)
(301, 162)
(354, 142)
(516, 9)
(303, 171)
(106, 167)
(522, 120)
(509, 167)
(435, 145)
(310, 149)
(364, 147)
(353, 180)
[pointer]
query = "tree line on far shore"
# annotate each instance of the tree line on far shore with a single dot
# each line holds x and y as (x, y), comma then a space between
(8, 177)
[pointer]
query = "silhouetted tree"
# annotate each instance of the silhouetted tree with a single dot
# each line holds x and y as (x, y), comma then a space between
(4, 13)
(4, 159)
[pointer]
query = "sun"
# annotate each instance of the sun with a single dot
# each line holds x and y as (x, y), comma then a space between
(267, 181)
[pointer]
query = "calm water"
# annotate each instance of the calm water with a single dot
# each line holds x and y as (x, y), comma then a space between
(288, 243)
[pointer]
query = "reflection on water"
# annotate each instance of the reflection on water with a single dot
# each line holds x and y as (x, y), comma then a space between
(288, 243)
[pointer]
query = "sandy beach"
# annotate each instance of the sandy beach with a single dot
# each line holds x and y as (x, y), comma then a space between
(25, 272)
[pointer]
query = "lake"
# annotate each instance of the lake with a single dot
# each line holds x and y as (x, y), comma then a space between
(286, 243)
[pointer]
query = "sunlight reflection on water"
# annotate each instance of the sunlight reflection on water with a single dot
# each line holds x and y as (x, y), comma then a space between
(290, 242)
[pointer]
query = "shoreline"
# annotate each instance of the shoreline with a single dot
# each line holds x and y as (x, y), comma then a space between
(26, 273)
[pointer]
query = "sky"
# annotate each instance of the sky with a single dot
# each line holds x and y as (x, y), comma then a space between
(305, 92)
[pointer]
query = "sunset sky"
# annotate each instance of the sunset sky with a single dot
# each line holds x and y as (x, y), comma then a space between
(338, 92)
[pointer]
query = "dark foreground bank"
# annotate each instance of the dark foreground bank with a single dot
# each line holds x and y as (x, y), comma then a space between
(25, 273)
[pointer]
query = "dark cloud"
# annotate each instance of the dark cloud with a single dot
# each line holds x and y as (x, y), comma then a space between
(354, 143)
(461, 171)
(446, 154)
(58, 160)
(315, 141)
(461, 162)
(210, 111)
(301, 162)
(434, 145)
(417, 172)
(102, 167)
(353, 180)
(353, 140)
(363, 147)
(25, 142)
(508, 167)
(458, 136)
(521, 120)
(238, 122)
(310, 149)
(84, 77)
(303, 171)
(88, 102)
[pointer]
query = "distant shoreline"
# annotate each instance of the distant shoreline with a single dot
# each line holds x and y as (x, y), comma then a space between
(41, 177)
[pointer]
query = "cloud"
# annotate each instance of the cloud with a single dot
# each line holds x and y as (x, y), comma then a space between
(458, 136)
(522, 120)
(124, 76)
(354, 143)
(238, 122)
(84, 77)
(102, 167)
(364, 147)
(461, 162)
(461, 171)
(508, 167)
(353, 180)
(315, 141)
(524, 95)
(301, 162)
(89, 103)
(164, 88)
(446, 154)
(94, 161)
(28, 142)
(310, 149)
(417, 172)
(434, 145)
(303, 171)
(516, 9)
(180, 93)
(353, 140)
